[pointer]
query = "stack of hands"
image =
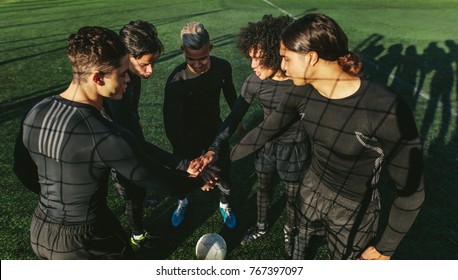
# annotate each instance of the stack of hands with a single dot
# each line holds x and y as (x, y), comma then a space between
(204, 168)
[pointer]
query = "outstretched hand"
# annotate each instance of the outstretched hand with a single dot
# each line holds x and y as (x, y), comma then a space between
(207, 187)
(210, 175)
(372, 254)
(194, 167)
(203, 167)
(208, 158)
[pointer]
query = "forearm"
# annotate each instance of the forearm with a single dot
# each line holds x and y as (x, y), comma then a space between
(167, 159)
(230, 124)
(403, 213)
(286, 112)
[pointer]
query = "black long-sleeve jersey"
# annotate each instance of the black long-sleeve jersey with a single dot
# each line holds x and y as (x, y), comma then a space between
(125, 111)
(71, 148)
(352, 137)
(269, 92)
(192, 105)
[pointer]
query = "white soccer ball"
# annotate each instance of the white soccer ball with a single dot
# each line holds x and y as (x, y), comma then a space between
(211, 246)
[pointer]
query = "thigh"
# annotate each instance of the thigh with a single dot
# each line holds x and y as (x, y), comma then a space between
(351, 229)
(311, 207)
(291, 160)
(264, 161)
(104, 240)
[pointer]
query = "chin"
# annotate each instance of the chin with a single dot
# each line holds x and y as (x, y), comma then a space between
(116, 96)
(299, 82)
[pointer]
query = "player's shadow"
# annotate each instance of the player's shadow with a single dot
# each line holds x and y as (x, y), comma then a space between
(426, 81)
(19, 106)
(438, 62)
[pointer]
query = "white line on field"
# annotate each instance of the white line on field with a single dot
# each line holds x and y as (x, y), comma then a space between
(423, 94)
(280, 9)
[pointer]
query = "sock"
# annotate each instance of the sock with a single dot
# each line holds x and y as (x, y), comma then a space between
(183, 201)
(223, 205)
(261, 226)
(137, 237)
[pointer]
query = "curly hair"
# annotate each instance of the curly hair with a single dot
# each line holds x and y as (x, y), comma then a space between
(264, 36)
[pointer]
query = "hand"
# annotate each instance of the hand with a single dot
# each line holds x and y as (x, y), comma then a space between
(209, 157)
(194, 168)
(372, 254)
(241, 130)
(210, 175)
(207, 188)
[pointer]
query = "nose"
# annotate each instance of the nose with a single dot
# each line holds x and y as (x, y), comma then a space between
(254, 63)
(283, 65)
(149, 68)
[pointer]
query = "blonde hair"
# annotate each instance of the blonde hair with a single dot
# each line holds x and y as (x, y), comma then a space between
(194, 35)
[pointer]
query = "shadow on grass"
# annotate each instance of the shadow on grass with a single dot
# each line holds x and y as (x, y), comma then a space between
(19, 106)
(434, 234)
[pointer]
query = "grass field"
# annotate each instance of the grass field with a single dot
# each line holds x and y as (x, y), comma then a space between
(411, 46)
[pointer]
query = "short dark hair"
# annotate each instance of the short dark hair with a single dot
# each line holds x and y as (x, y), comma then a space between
(264, 36)
(140, 38)
(94, 47)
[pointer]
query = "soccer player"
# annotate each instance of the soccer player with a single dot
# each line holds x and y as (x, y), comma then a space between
(144, 48)
(66, 149)
(356, 126)
(288, 152)
(192, 110)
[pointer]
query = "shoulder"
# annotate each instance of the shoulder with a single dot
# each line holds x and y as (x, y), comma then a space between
(220, 63)
(177, 73)
(252, 78)
(301, 91)
(376, 96)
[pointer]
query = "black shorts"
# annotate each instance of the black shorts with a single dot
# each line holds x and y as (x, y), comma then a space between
(289, 159)
(349, 226)
(105, 239)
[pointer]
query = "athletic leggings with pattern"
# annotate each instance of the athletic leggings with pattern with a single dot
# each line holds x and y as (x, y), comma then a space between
(264, 196)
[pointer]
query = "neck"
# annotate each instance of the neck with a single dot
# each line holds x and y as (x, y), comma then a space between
(333, 83)
(81, 93)
(279, 76)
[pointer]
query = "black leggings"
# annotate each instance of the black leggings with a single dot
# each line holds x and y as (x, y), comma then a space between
(264, 196)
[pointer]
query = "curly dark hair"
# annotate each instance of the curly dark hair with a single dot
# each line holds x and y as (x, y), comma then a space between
(264, 36)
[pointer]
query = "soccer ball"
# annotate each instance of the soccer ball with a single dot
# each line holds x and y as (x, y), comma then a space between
(211, 246)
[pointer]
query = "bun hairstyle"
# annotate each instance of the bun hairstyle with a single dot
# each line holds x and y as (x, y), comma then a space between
(321, 34)
(94, 48)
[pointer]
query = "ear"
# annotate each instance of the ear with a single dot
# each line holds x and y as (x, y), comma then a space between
(210, 47)
(182, 48)
(98, 79)
(313, 57)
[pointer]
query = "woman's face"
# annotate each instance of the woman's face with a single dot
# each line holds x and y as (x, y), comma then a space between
(296, 65)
